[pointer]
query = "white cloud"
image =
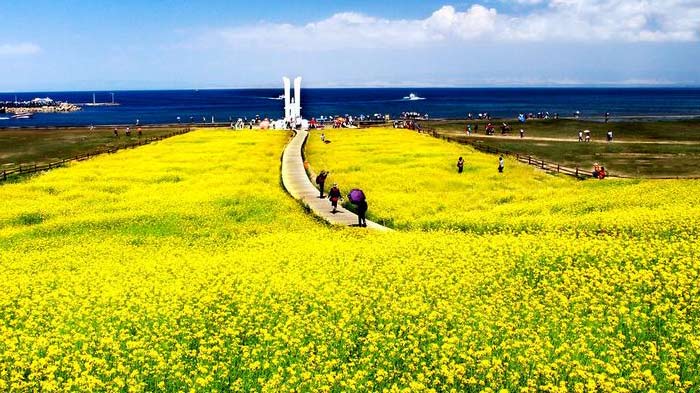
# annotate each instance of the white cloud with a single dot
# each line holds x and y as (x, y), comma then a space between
(614, 20)
(477, 21)
(555, 21)
(19, 49)
(529, 2)
(343, 30)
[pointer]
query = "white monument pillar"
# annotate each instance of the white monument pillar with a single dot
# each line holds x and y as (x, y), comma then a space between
(287, 99)
(297, 97)
(292, 105)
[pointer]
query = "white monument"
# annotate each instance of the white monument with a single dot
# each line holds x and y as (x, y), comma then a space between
(292, 105)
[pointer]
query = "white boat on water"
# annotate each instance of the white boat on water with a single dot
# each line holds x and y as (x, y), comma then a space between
(22, 116)
(413, 97)
(4, 118)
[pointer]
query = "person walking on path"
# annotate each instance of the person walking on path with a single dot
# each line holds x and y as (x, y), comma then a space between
(334, 196)
(522, 133)
(501, 164)
(321, 181)
(460, 165)
(580, 136)
(362, 213)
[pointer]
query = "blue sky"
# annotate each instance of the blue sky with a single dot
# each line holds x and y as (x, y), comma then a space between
(107, 45)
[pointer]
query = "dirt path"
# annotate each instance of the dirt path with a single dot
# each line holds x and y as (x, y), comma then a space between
(298, 185)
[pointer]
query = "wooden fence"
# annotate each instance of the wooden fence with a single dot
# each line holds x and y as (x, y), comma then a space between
(526, 159)
(28, 169)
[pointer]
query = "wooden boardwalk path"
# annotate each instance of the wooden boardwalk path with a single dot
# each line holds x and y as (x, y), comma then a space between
(299, 186)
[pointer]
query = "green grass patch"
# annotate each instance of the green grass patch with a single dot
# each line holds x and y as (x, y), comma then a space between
(640, 149)
(29, 219)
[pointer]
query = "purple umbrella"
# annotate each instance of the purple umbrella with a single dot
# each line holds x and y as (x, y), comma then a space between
(356, 195)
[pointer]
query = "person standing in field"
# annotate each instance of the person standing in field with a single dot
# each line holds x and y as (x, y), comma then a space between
(321, 181)
(334, 197)
(460, 165)
(580, 136)
(501, 164)
(522, 133)
(362, 213)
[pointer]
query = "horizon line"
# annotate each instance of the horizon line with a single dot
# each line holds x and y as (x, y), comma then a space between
(515, 86)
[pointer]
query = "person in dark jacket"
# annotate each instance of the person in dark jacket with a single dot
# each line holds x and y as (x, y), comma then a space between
(321, 181)
(361, 213)
(334, 196)
(460, 165)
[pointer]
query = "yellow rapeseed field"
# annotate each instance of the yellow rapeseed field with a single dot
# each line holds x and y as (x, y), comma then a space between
(412, 182)
(183, 266)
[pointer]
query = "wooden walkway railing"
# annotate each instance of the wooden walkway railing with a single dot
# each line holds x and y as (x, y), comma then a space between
(29, 169)
(525, 159)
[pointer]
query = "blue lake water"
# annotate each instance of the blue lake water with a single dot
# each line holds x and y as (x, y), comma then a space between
(152, 107)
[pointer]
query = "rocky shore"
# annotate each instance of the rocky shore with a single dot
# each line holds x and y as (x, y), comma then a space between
(58, 107)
